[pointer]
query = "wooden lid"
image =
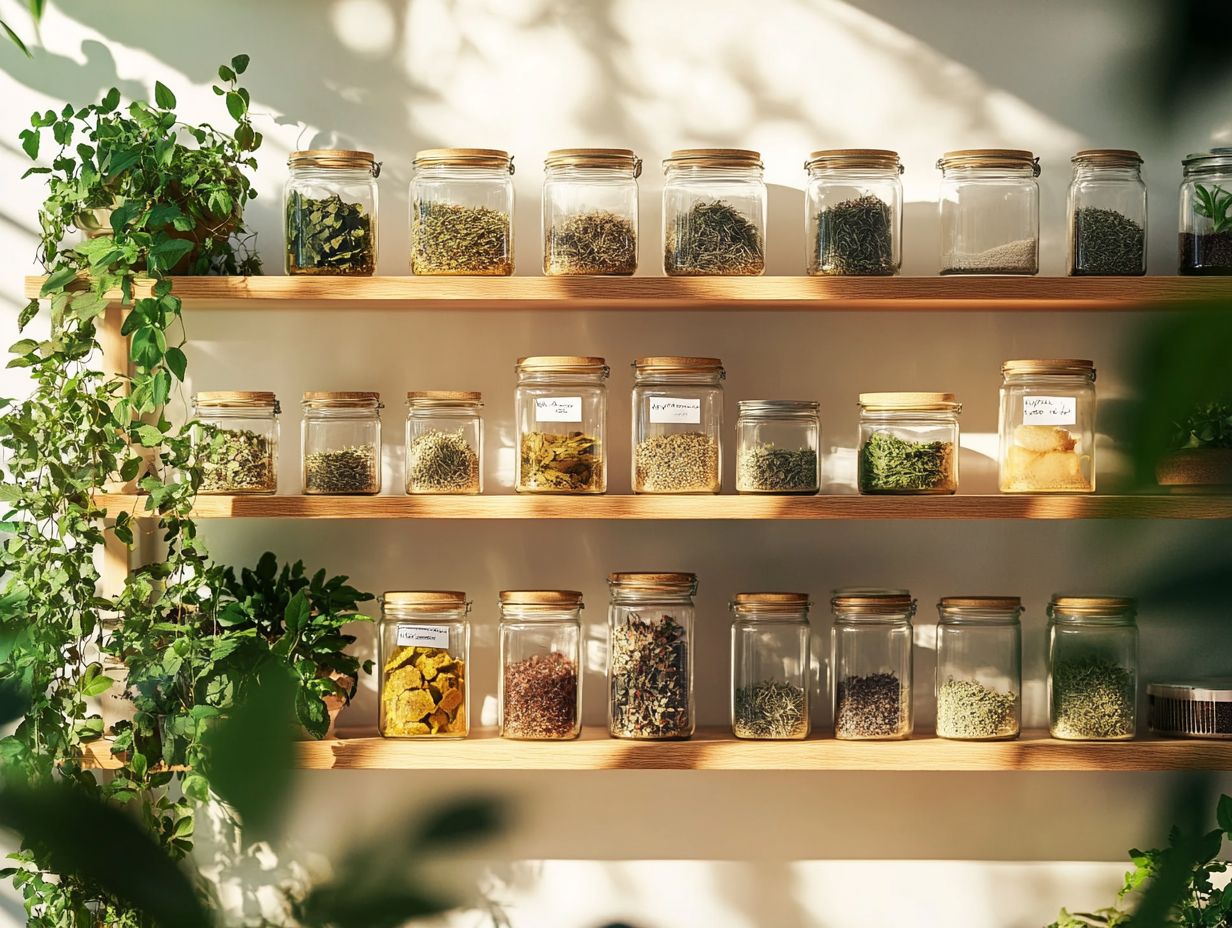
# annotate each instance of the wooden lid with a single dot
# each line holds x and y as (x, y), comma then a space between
(981, 602)
(333, 158)
(427, 600)
(234, 398)
(464, 157)
(563, 363)
(873, 603)
(1108, 157)
(877, 158)
(909, 401)
(444, 398)
(653, 581)
(616, 159)
(1093, 605)
(1049, 366)
(714, 158)
(664, 364)
(773, 602)
(341, 398)
(1017, 158)
(568, 598)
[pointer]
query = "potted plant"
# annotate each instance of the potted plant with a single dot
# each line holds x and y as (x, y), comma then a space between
(1200, 450)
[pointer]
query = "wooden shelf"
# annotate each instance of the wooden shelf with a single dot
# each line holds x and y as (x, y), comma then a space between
(848, 507)
(1047, 294)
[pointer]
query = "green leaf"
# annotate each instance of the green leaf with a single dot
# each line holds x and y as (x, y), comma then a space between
(16, 40)
(96, 686)
(163, 96)
(240, 63)
(149, 436)
(28, 312)
(236, 105)
(226, 74)
(169, 251)
(196, 787)
(58, 280)
(1224, 814)
(177, 362)
(29, 142)
(110, 101)
(312, 713)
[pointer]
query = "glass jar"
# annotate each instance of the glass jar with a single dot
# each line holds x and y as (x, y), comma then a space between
(461, 202)
(1206, 213)
(541, 661)
(989, 212)
(677, 425)
(423, 650)
(562, 425)
(444, 442)
(238, 444)
(590, 212)
(771, 666)
(341, 444)
(778, 447)
(330, 207)
(979, 668)
(1092, 668)
(871, 661)
(650, 655)
(853, 213)
(1047, 426)
(1107, 214)
(908, 443)
(714, 213)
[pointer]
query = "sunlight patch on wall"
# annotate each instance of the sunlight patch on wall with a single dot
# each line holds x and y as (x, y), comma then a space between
(366, 27)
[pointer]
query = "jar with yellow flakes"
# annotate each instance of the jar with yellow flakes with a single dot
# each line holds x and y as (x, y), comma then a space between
(423, 645)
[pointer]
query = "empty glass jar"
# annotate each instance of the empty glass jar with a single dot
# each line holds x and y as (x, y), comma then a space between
(1206, 213)
(989, 212)
(979, 668)
(341, 443)
(853, 212)
(238, 443)
(423, 651)
(714, 213)
(778, 447)
(871, 661)
(677, 425)
(541, 664)
(590, 212)
(562, 424)
(444, 442)
(908, 443)
(330, 212)
(462, 212)
(771, 672)
(1092, 668)
(1107, 214)
(1047, 426)
(650, 655)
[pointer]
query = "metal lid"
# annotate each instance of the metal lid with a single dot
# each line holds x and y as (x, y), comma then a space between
(234, 399)
(562, 364)
(1218, 156)
(667, 364)
(341, 399)
(877, 158)
(444, 398)
(569, 598)
(335, 158)
(427, 600)
(1210, 689)
(464, 158)
(1050, 366)
(921, 402)
(777, 406)
(653, 582)
(1015, 158)
(616, 159)
(1108, 157)
(713, 158)
(873, 603)
(980, 602)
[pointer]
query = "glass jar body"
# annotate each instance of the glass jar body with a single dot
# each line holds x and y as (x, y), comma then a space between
(650, 666)
(989, 221)
(770, 675)
(562, 433)
(238, 450)
(1092, 677)
(979, 674)
(330, 221)
(872, 664)
(778, 448)
(341, 451)
(424, 656)
(540, 696)
(1206, 216)
(1047, 433)
(908, 452)
(1107, 222)
(589, 222)
(714, 222)
(853, 221)
(444, 450)
(677, 432)
(461, 221)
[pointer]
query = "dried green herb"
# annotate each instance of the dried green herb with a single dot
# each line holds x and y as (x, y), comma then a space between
(872, 706)
(967, 709)
(1092, 698)
(341, 472)
(771, 710)
(767, 469)
(889, 464)
(570, 463)
(450, 239)
(649, 679)
(1106, 242)
(680, 462)
(539, 700)
(329, 236)
(238, 461)
(713, 238)
(442, 462)
(855, 238)
(594, 243)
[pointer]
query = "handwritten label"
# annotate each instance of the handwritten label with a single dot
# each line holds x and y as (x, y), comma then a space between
(1049, 410)
(423, 636)
(666, 409)
(558, 409)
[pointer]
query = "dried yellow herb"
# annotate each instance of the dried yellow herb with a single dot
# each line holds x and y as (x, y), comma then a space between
(423, 694)
(569, 463)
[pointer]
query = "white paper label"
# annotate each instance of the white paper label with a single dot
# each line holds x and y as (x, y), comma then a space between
(423, 636)
(666, 409)
(558, 409)
(1049, 410)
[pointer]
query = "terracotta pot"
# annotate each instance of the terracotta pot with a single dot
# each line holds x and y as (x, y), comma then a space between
(1196, 469)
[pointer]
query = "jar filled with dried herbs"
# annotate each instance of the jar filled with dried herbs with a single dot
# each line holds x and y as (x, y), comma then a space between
(989, 207)
(590, 212)
(423, 650)
(650, 655)
(340, 440)
(237, 442)
(677, 425)
(541, 659)
(1206, 213)
(1047, 426)
(444, 442)
(714, 213)
(461, 202)
(561, 403)
(1107, 214)
(1092, 668)
(871, 662)
(853, 213)
(771, 671)
(908, 443)
(330, 208)
(778, 445)
(979, 668)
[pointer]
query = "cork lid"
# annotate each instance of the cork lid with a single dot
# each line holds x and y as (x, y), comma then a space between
(885, 402)
(615, 159)
(872, 158)
(714, 158)
(235, 399)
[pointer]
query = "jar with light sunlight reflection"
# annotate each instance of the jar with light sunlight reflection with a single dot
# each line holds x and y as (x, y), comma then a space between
(423, 652)
(853, 213)
(989, 205)
(540, 691)
(771, 666)
(1106, 208)
(1047, 426)
(979, 668)
(1206, 213)
(778, 447)
(714, 213)
(340, 439)
(590, 212)
(330, 207)
(908, 443)
(1092, 668)
(461, 202)
(677, 425)
(444, 442)
(561, 407)
(237, 441)
(871, 661)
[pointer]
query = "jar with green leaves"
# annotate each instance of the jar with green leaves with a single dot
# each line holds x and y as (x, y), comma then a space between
(853, 213)
(461, 202)
(340, 437)
(237, 441)
(330, 208)
(771, 669)
(590, 212)
(1107, 214)
(778, 447)
(1206, 213)
(979, 668)
(714, 213)
(444, 442)
(1092, 668)
(908, 443)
